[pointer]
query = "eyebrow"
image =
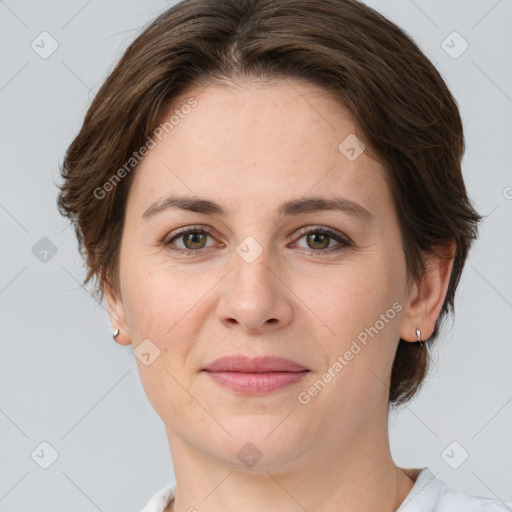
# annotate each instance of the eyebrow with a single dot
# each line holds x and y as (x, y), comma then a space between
(289, 208)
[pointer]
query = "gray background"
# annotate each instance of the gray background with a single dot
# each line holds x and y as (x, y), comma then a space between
(65, 382)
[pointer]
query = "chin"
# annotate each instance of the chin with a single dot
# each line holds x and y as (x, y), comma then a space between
(259, 443)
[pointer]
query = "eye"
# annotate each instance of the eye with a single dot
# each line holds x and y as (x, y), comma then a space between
(319, 238)
(194, 240)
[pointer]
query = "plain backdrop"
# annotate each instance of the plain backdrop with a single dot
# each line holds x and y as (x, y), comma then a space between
(76, 429)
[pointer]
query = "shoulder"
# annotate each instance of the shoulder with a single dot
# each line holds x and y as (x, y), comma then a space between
(453, 500)
(431, 494)
(161, 500)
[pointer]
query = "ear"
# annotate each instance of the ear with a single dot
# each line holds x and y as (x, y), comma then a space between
(116, 314)
(427, 297)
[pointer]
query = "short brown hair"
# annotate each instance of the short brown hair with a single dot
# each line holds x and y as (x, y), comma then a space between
(403, 111)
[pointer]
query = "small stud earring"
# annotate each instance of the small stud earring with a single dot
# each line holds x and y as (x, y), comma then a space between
(115, 333)
(418, 335)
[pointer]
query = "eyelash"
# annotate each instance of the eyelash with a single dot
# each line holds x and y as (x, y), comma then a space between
(343, 241)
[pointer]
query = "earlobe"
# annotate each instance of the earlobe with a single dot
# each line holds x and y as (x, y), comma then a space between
(427, 297)
(116, 314)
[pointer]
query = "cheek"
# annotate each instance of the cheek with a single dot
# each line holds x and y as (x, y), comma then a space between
(361, 308)
(156, 297)
(159, 307)
(170, 307)
(352, 299)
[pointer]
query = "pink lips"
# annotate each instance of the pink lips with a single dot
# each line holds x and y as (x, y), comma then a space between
(255, 375)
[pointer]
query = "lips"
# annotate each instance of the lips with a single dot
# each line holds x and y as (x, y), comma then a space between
(255, 375)
(246, 364)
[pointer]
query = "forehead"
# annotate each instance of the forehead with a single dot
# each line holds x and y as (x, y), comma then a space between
(284, 114)
(256, 141)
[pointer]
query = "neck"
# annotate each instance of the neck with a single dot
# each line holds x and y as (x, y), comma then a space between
(356, 477)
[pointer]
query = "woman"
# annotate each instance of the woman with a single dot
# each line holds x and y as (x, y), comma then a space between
(269, 195)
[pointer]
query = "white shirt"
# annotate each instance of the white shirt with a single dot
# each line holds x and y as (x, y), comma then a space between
(428, 494)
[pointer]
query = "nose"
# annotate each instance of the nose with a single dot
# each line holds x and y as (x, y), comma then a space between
(255, 297)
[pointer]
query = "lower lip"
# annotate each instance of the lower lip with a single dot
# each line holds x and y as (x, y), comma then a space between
(253, 383)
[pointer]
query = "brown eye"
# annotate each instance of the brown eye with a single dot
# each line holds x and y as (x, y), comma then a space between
(195, 240)
(191, 241)
(318, 240)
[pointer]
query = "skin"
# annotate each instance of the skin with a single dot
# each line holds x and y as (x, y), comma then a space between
(251, 147)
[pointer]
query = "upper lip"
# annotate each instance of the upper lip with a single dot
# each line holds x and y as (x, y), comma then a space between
(249, 364)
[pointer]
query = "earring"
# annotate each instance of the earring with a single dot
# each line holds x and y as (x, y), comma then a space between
(418, 335)
(115, 333)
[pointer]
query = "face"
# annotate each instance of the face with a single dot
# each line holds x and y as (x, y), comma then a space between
(324, 288)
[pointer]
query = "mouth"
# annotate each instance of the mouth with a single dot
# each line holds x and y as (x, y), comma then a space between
(248, 375)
